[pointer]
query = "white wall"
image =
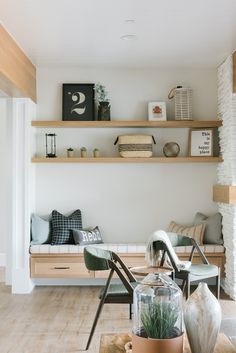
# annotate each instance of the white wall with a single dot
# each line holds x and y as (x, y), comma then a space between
(127, 201)
(3, 181)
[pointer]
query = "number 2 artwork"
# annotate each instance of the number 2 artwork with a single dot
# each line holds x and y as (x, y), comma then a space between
(78, 101)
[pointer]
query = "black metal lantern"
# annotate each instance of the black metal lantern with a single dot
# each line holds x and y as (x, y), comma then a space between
(50, 145)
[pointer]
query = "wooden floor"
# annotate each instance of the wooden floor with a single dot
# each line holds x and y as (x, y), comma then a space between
(58, 319)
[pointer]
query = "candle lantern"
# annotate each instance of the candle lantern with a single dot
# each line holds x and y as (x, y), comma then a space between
(51, 145)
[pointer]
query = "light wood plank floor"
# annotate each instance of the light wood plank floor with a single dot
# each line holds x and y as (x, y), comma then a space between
(58, 319)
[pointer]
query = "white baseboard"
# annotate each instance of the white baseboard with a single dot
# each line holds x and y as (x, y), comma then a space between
(2, 260)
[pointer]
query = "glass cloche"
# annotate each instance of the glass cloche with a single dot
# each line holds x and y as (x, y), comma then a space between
(157, 308)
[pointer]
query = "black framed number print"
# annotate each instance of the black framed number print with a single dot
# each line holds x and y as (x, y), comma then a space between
(78, 101)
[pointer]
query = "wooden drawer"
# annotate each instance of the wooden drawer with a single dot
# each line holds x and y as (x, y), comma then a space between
(59, 267)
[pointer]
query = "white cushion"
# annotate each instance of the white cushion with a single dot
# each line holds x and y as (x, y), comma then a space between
(132, 248)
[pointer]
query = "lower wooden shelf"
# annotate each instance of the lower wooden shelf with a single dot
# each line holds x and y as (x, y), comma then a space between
(128, 160)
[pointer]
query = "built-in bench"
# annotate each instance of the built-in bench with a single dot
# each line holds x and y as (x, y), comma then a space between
(66, 261)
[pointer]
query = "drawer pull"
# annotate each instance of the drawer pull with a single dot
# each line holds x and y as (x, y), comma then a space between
(61, 268)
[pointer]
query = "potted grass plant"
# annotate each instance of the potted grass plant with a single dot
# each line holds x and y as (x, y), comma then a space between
(159, 321)
(157, 316)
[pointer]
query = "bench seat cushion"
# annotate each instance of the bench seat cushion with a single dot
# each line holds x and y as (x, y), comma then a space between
(130, 248)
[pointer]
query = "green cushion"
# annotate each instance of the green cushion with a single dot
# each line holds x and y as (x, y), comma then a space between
(118, 290)
(203, 270)
(96, 259)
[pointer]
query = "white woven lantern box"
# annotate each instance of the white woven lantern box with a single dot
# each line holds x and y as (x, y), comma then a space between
(183, 102)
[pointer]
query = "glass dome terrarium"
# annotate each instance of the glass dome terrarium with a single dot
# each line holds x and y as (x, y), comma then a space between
(157, 323)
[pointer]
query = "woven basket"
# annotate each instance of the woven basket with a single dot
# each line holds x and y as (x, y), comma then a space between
(135, 145)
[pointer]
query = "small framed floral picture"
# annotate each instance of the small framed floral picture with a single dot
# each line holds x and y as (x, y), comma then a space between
(157, 111)
(78, 101)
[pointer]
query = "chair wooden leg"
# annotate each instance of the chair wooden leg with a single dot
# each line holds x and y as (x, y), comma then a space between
(218, 286)
(99, 309)
(130, 311)
(187, 287)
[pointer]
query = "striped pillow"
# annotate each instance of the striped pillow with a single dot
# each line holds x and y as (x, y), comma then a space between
(196, 232)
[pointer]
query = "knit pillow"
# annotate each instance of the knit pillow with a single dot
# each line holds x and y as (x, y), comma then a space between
(213, 231)
(196, 232)
(62, 227)
(87, 236)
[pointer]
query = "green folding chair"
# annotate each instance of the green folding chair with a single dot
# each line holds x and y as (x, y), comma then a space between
(196, 272)
(97, 259)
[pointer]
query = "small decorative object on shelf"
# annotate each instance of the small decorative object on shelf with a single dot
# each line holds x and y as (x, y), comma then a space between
(101, 96)
(70, 152)
(83, 152)
(135, 145)
(157, 111)
(96, 152)
(157, 324)
(202, 317)
(171, 149)
(78, 101)
(51, 145)
(183, 102)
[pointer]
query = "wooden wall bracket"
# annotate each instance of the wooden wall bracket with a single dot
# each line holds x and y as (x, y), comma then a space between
(224, 194)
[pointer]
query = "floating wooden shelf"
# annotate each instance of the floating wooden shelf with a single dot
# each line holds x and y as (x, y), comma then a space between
(128, 160)
(127, 123)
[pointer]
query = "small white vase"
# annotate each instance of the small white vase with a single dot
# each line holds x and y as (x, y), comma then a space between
(202, 317)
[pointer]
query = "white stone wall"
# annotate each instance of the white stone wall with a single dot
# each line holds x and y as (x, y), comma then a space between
(227, 169)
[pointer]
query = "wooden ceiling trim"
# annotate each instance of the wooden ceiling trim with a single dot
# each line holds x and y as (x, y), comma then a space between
(17, 73)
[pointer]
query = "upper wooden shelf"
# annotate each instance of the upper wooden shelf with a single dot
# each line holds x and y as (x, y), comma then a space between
(128, 123)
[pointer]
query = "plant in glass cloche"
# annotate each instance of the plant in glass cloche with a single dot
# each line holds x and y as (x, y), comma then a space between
(101, 96)
(157, 324)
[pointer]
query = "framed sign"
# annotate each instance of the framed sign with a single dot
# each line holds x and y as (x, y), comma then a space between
(201, 142)
(156, 111)
(78, 101)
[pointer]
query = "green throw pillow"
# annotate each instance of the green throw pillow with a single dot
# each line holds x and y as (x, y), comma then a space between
(213, 230)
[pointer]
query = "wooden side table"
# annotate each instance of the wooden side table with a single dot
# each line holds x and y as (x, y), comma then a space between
(146, 270)
(114, 343)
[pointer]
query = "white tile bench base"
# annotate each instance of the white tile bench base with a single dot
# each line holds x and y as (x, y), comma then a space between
(66, 261)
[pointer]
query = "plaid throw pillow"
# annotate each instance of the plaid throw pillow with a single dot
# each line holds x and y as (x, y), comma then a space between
(62, 227)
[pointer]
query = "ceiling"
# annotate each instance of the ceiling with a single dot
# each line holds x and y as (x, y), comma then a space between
(169, 33)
